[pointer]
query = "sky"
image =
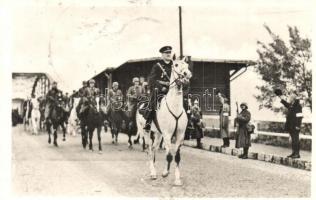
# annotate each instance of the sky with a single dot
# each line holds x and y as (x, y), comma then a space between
(73, 41)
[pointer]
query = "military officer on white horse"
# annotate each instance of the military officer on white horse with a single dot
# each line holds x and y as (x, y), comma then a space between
(158, 83)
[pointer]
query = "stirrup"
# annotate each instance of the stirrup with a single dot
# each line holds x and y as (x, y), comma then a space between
(147, 127)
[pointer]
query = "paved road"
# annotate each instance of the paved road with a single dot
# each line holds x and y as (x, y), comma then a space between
(42, 169)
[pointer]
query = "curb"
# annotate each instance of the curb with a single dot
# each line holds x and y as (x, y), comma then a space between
(295, 163)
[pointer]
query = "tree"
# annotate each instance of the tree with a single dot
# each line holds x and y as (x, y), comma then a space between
(284, 66)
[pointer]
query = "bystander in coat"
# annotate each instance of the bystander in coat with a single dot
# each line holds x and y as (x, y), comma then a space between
(243, 139)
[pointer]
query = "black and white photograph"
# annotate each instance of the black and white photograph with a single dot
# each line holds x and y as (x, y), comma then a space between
(156, 99)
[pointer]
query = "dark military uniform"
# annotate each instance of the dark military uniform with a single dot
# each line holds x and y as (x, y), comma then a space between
(115, 100)
(88, 98)
(51, 99)
(81, 91)
(196, 118)
(133, 93)
(156, 79)
(293, 124)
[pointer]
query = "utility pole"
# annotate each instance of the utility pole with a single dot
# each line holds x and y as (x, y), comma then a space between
(180, 32)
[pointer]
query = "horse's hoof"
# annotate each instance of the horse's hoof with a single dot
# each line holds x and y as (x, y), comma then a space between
(64, 139)
(100, 151)
(165, 174)
(136, 142)
(55, 143)
(91, 150)
(49, 141)
(153, 177)
(178, 182)
(112, 142)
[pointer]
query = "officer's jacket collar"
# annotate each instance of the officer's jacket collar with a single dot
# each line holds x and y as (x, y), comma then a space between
(163, 63)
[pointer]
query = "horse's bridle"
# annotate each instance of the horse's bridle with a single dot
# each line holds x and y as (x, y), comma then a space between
(180, 76)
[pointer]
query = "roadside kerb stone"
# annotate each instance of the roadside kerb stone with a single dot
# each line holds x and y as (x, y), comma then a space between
(296, 163)
(261, 156)
(253, 155)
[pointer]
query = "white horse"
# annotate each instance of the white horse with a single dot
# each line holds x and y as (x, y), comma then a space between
(73, 127)
(172, 121)
(26, 119)
(35, 116)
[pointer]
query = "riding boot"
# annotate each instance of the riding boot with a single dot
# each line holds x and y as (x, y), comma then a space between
(198, 143)
(149, 120)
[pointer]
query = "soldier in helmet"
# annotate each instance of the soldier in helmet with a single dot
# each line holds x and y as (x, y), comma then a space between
(89, 95)
(159, 79)
(115, 97)
(243, 138)
(196, 118)
(82, 89)
(51, 98)
(134, 92)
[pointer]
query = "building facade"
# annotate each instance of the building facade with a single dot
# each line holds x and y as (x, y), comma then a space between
(209, 75)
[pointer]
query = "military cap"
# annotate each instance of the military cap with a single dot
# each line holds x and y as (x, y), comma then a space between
(91, 81)
(54, 82)
(84, 82)
(115, 83)
(145, 83)
(165, 49)
(196, 101)
(135, 79)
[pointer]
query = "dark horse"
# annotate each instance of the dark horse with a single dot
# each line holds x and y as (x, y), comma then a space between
(57, 118)
(92, 118)
(122, 118)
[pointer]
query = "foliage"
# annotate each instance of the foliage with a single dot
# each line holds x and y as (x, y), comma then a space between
(284, 66)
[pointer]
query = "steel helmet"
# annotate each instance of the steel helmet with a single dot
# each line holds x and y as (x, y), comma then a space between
(135, 79)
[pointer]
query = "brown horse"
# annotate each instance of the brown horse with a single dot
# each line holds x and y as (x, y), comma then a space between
(93, 118)
(57, 118)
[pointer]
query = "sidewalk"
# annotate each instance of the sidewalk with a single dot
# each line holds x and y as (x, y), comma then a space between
(262, 152)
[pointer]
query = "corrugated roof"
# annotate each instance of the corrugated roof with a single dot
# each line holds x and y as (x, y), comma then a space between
(229, 61)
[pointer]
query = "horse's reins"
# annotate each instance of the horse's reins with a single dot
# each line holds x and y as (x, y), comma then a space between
(178, 78)
(175, 117)
(165, 73)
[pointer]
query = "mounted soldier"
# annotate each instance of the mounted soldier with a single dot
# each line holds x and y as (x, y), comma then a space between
(88, 97)
(115, 97)
(82, 89)
(133, 94)
(51, 99)
(159, 79)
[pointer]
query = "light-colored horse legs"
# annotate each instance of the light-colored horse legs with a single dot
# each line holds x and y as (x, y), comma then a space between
(152, 146)
(177, 158)
(35, 125)
(169, 157)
